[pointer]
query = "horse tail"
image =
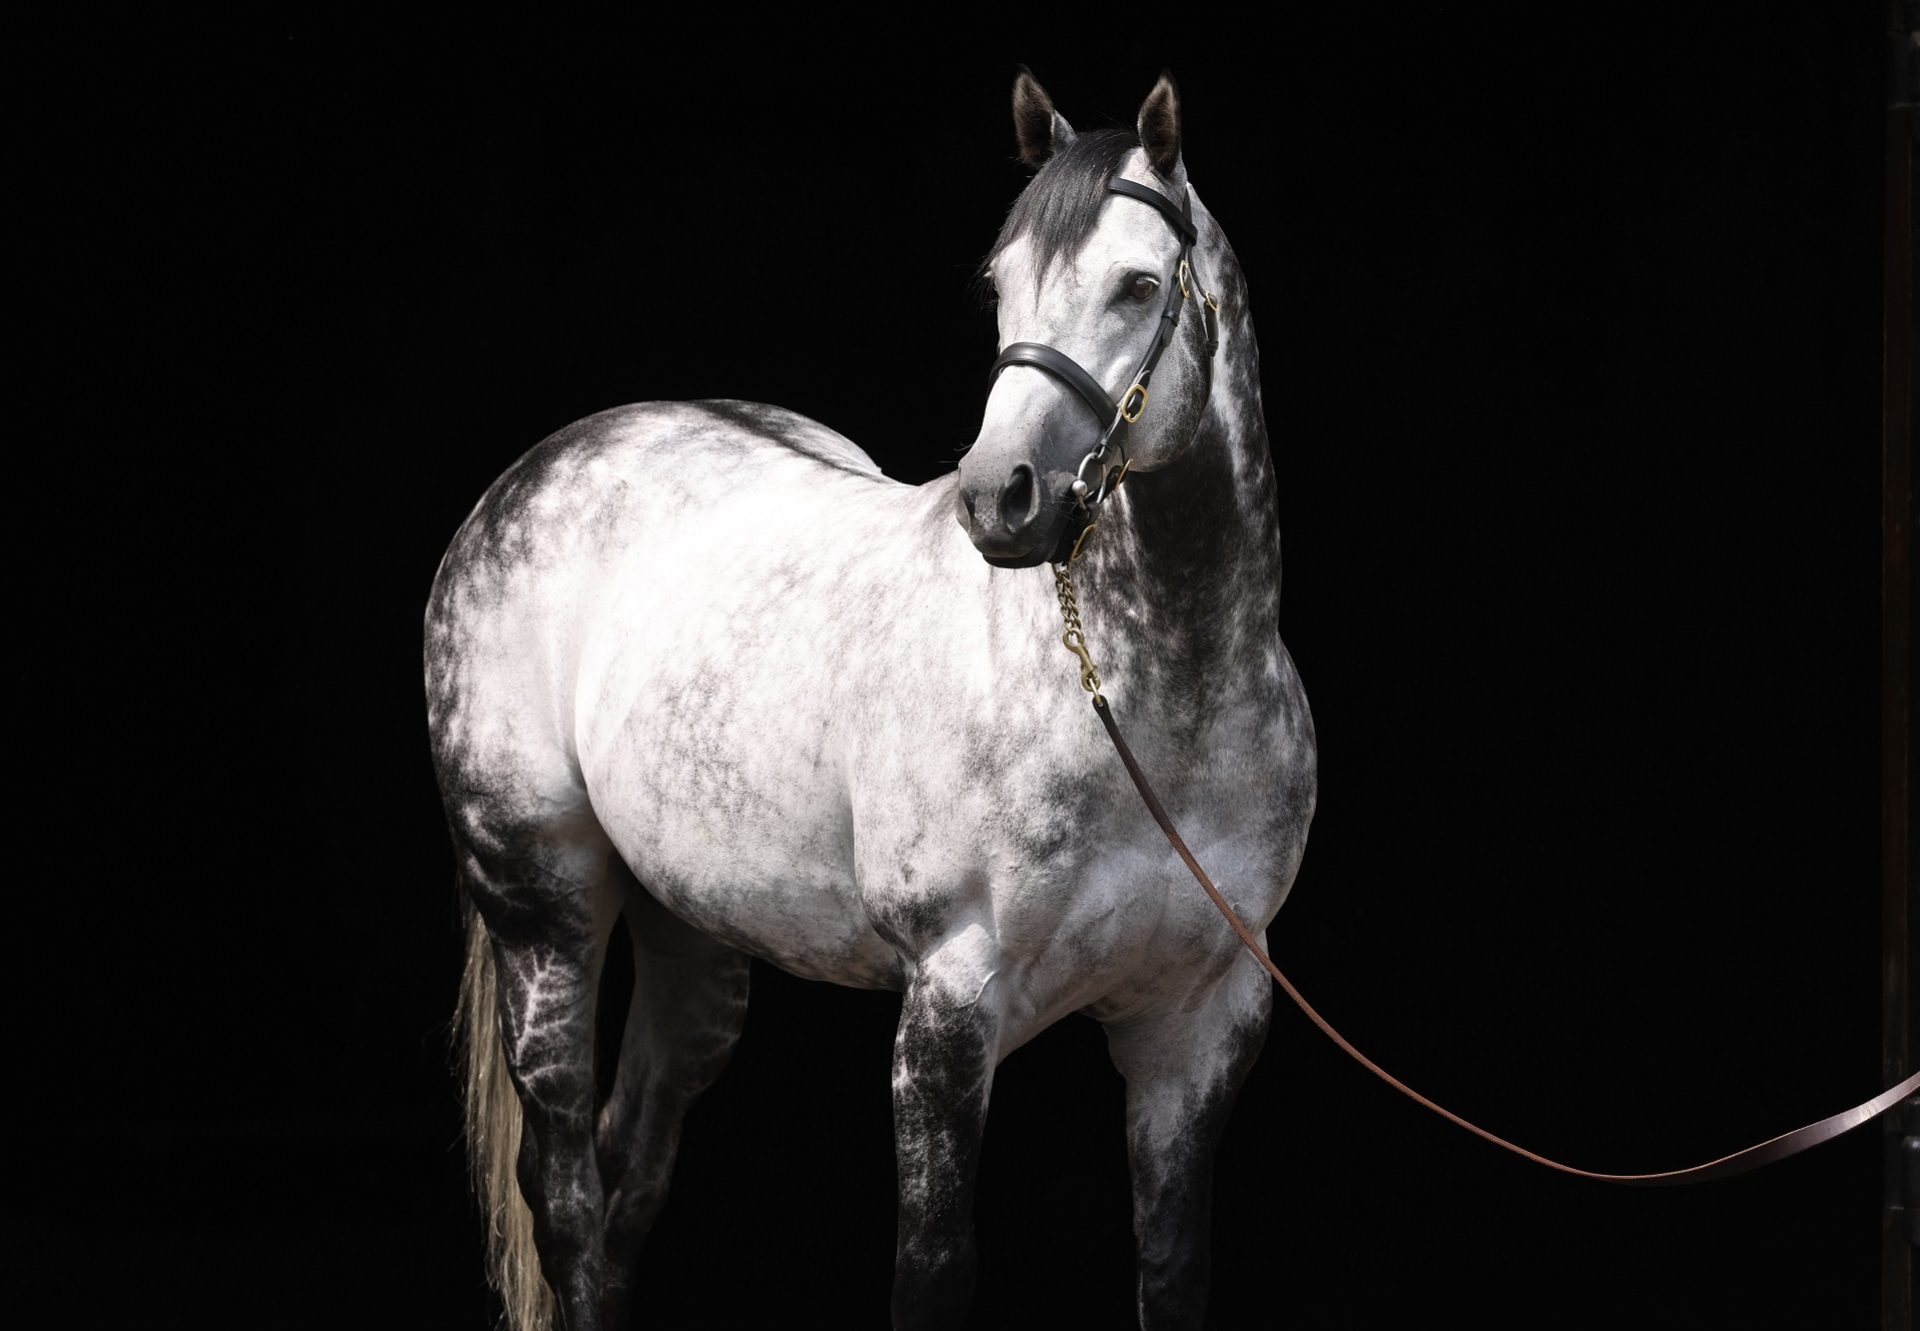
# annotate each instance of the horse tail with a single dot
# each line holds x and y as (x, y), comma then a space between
(493, 1140)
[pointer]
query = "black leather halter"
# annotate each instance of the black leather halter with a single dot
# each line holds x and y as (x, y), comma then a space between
(1117, 416)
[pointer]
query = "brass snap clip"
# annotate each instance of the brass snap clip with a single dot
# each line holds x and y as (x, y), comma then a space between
(1089, 677)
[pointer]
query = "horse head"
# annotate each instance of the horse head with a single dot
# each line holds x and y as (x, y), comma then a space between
(1099, 374)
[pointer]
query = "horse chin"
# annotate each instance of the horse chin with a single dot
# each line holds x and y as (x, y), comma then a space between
(1052, 547)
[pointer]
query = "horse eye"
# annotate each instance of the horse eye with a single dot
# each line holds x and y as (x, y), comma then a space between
(1143, 286)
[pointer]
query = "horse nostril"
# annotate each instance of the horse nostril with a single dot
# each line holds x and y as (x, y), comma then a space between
(1016, 500)
(966, 500)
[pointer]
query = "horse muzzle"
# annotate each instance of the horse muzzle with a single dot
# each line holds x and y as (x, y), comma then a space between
(1015, 520)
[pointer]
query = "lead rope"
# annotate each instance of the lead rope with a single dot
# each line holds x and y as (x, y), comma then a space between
(1753, 1157)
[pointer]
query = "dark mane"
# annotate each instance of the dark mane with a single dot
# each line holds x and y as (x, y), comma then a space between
(1060, 204)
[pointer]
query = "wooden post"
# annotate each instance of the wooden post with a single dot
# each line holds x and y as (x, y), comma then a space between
(1896, 589)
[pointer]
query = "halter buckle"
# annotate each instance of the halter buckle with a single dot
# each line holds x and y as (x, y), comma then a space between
(1131, 416)
(1181, 273)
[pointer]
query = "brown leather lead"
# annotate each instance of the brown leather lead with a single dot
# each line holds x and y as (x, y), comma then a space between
(1765, 1153)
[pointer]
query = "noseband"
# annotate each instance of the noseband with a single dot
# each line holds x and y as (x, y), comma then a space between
(1109, 457)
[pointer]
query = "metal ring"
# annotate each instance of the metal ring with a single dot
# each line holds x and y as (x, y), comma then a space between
(1080, 473)
(1139, 407)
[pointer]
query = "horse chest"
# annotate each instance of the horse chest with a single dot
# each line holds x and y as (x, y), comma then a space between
(1053, 857)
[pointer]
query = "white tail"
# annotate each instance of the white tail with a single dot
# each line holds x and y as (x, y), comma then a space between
(493, 1142)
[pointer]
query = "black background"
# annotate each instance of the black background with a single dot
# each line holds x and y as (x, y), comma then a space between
(1570, 336)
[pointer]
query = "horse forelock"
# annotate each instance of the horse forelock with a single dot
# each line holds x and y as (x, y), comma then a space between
(1061, 205)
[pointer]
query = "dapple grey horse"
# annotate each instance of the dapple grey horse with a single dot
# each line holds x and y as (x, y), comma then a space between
(781, 706)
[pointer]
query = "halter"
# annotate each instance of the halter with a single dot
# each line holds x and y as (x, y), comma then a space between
(1117, 416)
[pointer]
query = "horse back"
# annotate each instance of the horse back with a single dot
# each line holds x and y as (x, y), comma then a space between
(513, 601)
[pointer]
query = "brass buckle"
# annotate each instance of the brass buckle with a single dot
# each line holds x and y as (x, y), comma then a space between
(1140, 406)
(1181, 274)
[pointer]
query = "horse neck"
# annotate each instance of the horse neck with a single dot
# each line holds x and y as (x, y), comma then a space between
(1180, 584)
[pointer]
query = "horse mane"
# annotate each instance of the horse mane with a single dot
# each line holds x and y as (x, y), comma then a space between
(1060, 205)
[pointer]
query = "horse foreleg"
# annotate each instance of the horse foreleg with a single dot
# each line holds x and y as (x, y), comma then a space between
(689, 1001)
(943, 1059)
(1183, 1065)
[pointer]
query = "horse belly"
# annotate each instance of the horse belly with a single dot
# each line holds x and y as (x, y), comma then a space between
(768, 876)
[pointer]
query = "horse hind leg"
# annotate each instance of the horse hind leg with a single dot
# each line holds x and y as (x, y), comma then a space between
(545, 898)
(689, 1002)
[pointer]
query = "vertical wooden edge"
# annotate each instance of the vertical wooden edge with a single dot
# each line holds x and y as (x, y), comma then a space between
(1897, 1025)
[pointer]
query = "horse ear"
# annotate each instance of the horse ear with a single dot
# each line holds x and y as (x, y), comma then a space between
(1040, 130)
(1160, 125)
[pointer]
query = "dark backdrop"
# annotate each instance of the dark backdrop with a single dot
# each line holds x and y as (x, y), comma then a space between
(1569, 325)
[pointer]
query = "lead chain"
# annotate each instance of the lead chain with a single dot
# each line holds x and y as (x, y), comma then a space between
(1075, 638)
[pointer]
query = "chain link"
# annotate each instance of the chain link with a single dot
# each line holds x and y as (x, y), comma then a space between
(1075, 638)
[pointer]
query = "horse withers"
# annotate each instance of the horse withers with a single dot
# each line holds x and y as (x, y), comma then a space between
(897, 786)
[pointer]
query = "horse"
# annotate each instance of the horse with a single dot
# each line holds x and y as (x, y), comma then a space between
(783, 706)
